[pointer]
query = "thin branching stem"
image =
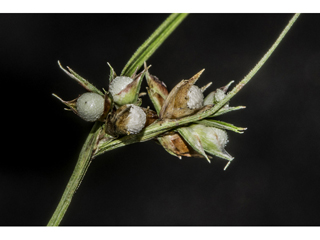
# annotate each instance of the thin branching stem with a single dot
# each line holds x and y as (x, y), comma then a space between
(93, 148)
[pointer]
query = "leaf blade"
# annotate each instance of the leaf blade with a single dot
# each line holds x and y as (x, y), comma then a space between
(152, 43)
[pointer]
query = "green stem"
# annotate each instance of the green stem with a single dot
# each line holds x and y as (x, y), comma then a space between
(247, 78)
(82, 165)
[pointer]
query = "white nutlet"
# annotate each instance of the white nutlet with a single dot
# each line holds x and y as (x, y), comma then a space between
(128, 119)
(117, 85)
(90, 106)
(136, 119)
(195, 97)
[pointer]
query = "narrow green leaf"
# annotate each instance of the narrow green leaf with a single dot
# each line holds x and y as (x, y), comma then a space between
(221, 125)
(226, 110)
(83, 82)
(152, 43)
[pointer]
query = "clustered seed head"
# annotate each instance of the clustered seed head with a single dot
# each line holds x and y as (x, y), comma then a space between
(119, 109)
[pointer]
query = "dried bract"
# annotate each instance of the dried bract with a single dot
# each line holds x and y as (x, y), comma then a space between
(174, 144)
(157, 91)
(184, 99)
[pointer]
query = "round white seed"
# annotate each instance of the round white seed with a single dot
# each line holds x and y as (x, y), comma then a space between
(90, 106)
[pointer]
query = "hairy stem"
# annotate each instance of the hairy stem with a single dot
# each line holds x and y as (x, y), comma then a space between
(84, 160)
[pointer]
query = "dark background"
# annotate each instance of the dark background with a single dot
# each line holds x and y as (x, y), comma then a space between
(274, 178)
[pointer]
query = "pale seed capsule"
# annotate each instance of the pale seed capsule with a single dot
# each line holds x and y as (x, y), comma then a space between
(117, 87)
(90, 106)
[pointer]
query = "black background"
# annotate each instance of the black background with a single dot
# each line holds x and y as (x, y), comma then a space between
(274, 178)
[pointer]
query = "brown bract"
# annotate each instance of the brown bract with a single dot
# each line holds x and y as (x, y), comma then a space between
(157, 91)
(108, 104)
(177, 146)
(151, 116)
(117, 121)
(175, 105)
